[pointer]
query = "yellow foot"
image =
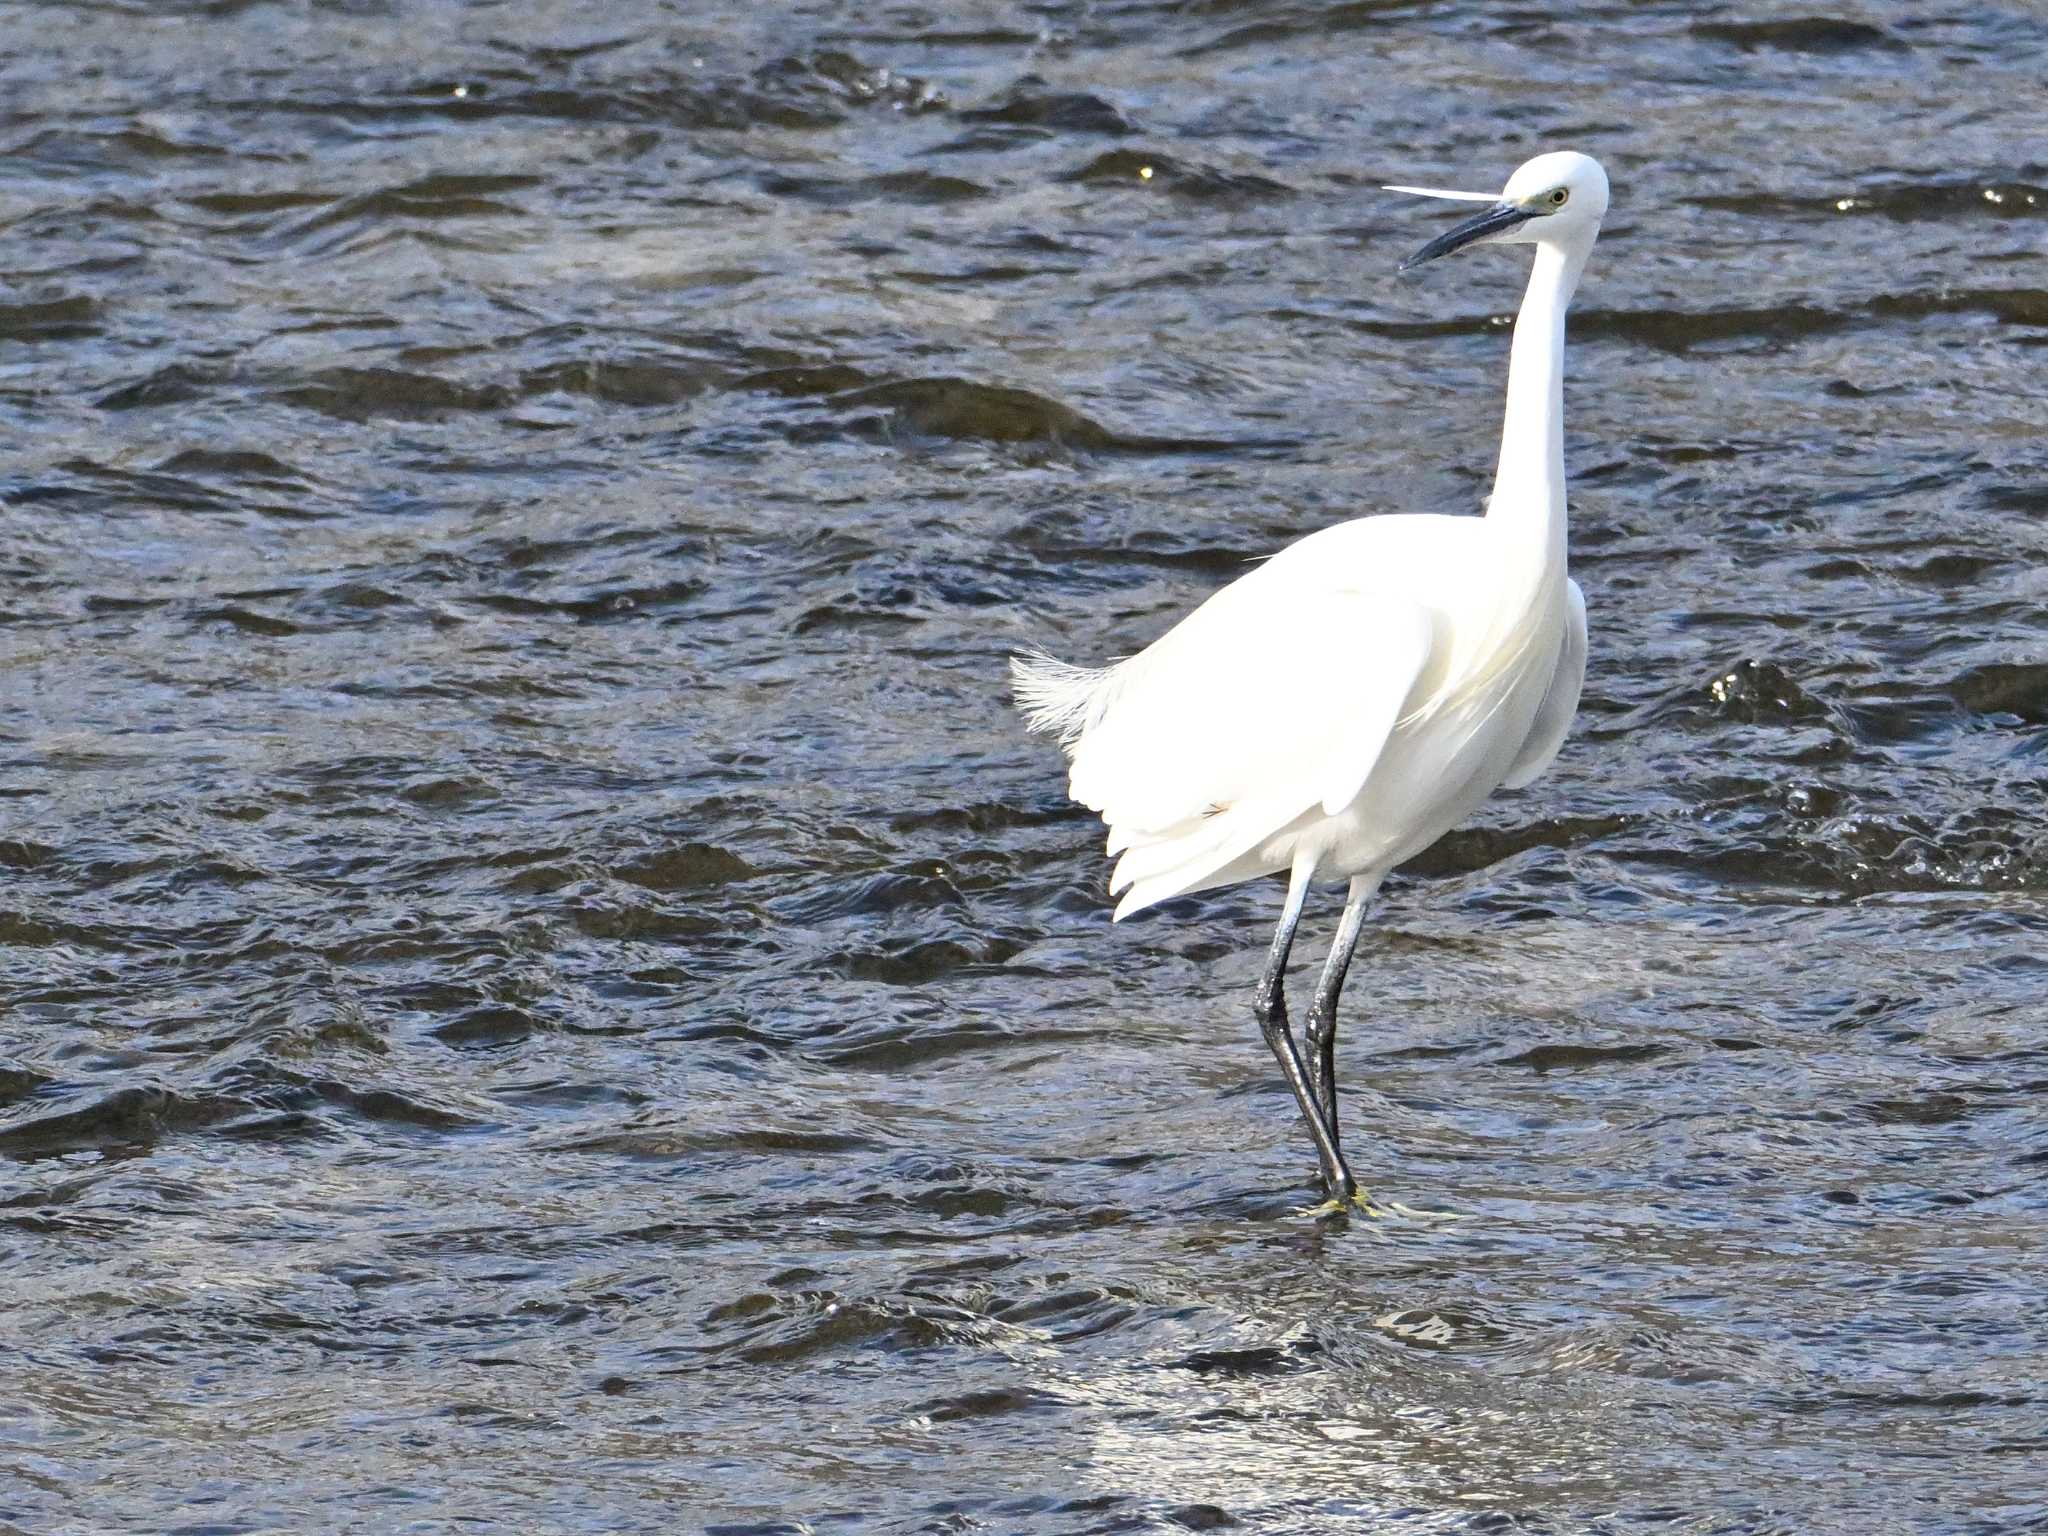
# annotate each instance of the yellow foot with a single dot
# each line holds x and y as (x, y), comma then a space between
(1360, 1202)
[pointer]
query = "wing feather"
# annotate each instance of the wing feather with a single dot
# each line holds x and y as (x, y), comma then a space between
(1279, 693)
(1270, 704)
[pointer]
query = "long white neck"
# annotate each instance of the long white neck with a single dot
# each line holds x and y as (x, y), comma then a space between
(1528, 488)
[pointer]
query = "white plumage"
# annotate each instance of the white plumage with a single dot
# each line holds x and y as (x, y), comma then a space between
(1340, 707)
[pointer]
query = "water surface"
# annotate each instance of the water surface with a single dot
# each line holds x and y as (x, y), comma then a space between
(543, 988)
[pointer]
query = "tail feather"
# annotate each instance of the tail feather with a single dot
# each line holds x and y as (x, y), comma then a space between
(1185, 882)
(1151, 858)
(1154, 862)
(1215, 851)
(1058, 697)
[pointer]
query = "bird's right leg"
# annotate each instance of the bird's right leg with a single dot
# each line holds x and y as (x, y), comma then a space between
(1320, 1033)
(1270, 1007)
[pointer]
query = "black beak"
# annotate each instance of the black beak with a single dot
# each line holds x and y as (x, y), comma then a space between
(1501, 216)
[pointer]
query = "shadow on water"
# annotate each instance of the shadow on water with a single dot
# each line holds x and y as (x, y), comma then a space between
(541, 983)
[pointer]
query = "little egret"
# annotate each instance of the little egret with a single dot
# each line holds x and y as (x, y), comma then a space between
(1339, 708)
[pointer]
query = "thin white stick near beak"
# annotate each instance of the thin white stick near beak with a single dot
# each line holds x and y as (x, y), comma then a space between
(1447, 196)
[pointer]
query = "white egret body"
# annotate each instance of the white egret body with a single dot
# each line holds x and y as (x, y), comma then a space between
(1342, 706)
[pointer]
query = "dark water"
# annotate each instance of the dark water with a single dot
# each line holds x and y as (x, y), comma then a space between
(541, 986)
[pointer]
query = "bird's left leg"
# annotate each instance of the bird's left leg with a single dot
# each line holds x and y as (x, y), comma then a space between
(1321, 1034)
(1270, 1007)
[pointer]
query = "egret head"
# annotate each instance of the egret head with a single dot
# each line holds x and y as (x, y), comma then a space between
(1555, 199)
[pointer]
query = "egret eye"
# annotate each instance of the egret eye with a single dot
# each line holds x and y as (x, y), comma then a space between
(1557, 198)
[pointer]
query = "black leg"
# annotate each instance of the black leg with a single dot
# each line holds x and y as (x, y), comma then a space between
(1270, 1007)
(1321, 1034)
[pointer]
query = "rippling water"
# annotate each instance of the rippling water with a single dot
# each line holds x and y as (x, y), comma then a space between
(542, 987)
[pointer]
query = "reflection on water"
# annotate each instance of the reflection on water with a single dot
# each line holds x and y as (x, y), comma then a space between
(541, 982)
